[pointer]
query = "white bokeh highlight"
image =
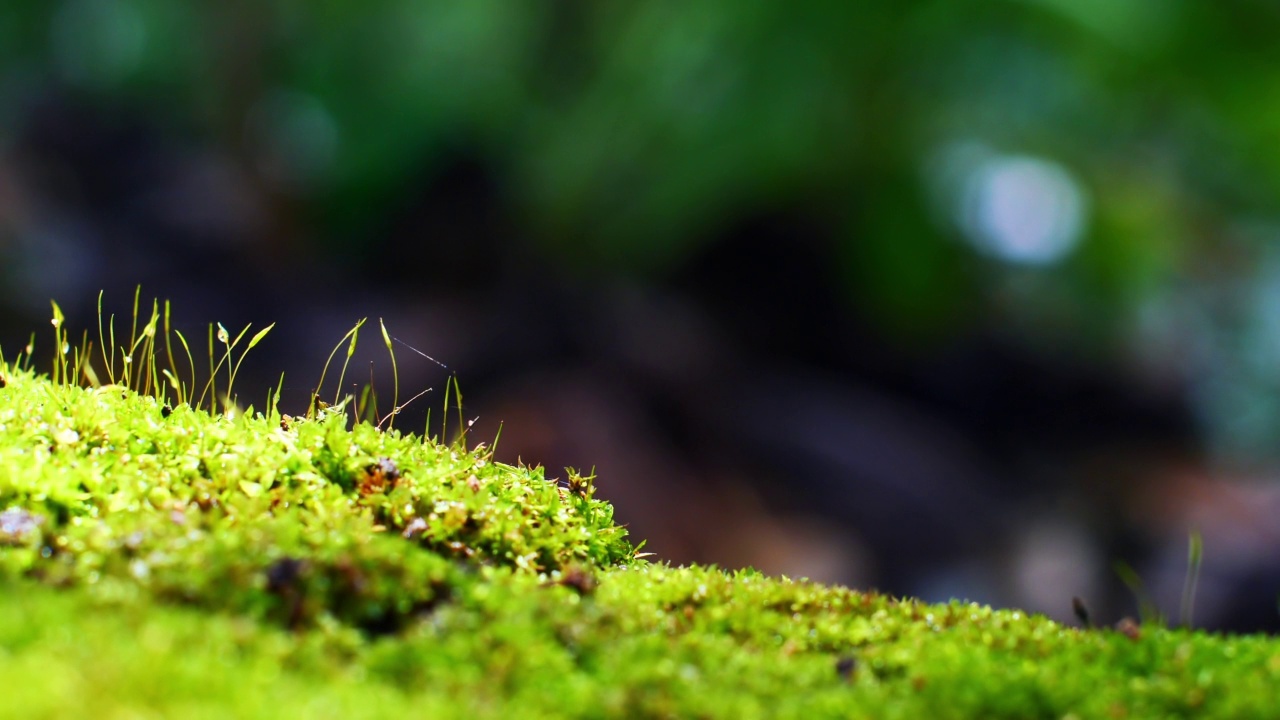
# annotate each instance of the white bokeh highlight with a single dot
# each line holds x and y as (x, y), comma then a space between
(1022, 209)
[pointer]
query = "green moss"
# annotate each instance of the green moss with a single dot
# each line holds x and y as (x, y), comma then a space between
(180, 563)
(302, 521)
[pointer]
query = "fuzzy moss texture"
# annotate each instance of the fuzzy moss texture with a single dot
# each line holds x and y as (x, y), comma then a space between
(162, 560)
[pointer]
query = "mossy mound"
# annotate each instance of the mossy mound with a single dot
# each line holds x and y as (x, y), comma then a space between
(173, 562)
(290, 520)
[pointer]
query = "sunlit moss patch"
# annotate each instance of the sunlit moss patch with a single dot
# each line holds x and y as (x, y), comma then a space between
(169, 556)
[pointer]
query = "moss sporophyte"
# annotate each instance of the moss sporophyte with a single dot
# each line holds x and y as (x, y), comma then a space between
(163, 550)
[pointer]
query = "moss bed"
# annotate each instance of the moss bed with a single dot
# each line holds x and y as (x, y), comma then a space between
(160, 561)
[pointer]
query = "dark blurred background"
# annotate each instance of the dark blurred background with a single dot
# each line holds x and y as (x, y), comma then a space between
(954, 299)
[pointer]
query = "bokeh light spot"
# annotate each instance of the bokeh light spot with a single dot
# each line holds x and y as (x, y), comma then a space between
(293, 138)
(97, 42)
(1022, 210)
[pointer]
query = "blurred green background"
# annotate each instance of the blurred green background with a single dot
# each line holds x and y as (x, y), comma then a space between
(1047, 227)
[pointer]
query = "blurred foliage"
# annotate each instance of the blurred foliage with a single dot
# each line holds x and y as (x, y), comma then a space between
(628, 136)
